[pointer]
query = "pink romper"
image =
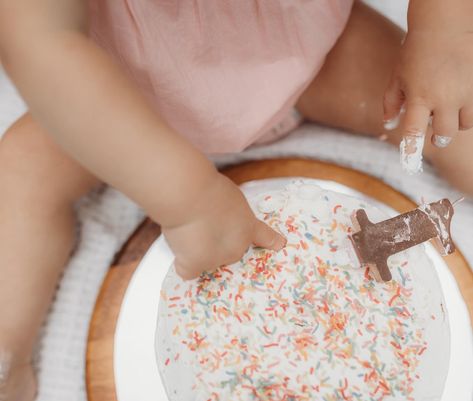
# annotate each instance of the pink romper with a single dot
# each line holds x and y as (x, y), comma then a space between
(222, 73)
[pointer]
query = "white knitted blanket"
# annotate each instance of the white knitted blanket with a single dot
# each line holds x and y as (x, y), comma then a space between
(107, 218)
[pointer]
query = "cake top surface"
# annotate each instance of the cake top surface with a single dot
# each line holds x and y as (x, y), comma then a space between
(307, 322)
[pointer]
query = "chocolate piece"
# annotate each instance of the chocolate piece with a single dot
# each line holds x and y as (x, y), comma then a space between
(375, 243)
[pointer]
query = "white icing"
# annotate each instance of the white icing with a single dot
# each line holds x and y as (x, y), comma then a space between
(393, 123)
(411, 148)
(439, 224)
(271, 202)
(402, 236)
(189, 377)
(346, 255)
(442, 141)
(407, 221)
(309, 192)
(293, 187)
(405, 234)
(310, 199)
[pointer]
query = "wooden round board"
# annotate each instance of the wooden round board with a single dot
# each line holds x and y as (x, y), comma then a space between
(99, 369)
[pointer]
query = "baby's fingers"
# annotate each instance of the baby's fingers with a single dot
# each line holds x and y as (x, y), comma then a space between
(416, 121)
(209, 255)
(265, 237)
(445, 126)
(199, 257)
(187, 272)
(466, 118)
(392, 103)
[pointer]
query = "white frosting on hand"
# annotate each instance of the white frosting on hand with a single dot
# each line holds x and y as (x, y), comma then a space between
(411, 148)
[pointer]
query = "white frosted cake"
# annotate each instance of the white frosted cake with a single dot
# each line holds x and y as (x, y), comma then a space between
(305, 323)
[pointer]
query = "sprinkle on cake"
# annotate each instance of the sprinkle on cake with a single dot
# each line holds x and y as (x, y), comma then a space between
(305, 323)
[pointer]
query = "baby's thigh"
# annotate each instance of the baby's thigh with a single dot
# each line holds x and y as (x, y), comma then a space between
(455, 162)
(33, 167)
(348, 91)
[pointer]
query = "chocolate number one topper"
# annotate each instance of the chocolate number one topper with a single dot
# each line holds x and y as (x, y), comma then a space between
(375, 243)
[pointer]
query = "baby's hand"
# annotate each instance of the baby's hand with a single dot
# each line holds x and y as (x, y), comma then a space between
(218, 231)
(433, 79)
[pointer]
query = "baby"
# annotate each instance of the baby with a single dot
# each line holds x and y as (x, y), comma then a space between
(135, 93)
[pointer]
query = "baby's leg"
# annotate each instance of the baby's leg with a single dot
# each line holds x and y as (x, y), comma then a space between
(38, 186)
(348, 92)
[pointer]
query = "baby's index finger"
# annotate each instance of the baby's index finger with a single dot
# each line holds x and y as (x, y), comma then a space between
(265, 237)
(186, 273)
(416, 121)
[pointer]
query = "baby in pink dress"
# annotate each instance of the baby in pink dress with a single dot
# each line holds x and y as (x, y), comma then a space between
(135, 93)
(221, 73)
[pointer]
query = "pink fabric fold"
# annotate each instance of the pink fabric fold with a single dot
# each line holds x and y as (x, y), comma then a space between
(222, 73)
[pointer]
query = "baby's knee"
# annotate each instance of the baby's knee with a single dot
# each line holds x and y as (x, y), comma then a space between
(24, 176)
(34, 168)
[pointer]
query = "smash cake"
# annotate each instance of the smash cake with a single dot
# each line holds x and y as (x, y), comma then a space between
(309, 322)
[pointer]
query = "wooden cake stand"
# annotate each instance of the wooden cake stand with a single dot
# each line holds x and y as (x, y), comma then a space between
(99, 369)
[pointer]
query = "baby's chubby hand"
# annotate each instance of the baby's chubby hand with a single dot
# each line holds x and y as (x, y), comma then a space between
(433, 77)
(218, 230)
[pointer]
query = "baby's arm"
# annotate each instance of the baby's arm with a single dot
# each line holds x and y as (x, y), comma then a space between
(98, 116)
(434, 73)
(92, 109)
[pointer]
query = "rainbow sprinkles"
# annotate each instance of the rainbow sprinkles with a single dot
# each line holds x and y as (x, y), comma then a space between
(306, 323)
